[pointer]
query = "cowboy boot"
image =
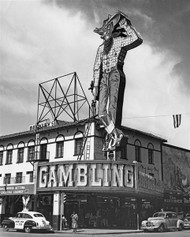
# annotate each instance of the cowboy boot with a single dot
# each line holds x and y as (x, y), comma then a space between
(117, 137)
(106, 143)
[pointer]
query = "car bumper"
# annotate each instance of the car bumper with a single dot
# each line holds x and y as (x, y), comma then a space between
(149, 228)
(42, 228)
(186, 226)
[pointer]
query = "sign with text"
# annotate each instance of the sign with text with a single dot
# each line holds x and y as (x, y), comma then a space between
(17, 189)
(176, 199)
(87, 175)
(150, 184)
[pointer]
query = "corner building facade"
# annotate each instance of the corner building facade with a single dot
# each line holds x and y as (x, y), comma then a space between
(105, 191)
(177, 179)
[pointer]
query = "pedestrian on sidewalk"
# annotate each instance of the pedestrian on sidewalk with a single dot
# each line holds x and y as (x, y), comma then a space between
(74, 221)
(64, 222)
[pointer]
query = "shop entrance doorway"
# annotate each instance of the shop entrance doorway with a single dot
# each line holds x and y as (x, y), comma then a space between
(102, 211)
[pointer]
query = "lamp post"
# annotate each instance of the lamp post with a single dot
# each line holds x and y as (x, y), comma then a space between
(136, 173)
(136, 188)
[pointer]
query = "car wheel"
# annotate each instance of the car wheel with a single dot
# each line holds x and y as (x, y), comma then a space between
(161, 228)
(27, 229)
(180, 227)
(5, 228)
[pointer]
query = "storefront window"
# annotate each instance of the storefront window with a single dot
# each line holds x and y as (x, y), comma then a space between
(44, 205)
(100, 211)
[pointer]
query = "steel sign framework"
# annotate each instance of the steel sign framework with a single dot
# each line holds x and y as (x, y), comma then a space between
(62, 99)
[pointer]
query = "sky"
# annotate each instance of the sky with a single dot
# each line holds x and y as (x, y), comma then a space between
(45, 39)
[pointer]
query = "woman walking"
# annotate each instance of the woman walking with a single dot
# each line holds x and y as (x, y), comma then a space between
(74, 220)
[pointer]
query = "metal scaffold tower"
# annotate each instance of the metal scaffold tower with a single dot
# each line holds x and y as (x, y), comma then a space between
(62, 99)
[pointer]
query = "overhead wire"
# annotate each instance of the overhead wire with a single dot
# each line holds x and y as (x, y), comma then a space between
(154, 116)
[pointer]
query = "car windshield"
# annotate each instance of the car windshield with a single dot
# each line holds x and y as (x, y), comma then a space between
(159, 214)
(38, 215)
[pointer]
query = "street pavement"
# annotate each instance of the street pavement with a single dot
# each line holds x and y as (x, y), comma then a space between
(100, 231)
(69, 232)
(95, 233)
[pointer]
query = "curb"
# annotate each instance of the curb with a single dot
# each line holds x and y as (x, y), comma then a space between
(99, 232)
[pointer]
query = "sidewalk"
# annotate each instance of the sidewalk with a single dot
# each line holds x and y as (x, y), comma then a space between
(100, 231)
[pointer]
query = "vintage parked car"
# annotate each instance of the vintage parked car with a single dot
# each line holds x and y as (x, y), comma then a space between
(162, 221)
(27, 221)
(186, 224)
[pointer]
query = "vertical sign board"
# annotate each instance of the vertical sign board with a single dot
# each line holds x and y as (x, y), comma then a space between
(56, 204)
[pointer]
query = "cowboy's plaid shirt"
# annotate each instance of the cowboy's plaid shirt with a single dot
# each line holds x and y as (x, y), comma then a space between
(116, 54)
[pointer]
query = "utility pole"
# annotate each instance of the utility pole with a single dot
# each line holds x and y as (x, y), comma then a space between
(62, 210)
(136, 188)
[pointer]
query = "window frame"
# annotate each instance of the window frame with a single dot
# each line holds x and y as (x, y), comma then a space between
(19, 177)
(20, 159)
(59, 149)
(31, 176)
(150, 154)
(138, 151)
(7, 177)
(9, 156)
(78, 143)
(43, 151)
(31, 153)
(1, 157)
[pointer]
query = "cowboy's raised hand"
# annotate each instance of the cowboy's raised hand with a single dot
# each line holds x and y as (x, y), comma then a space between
(123, 23)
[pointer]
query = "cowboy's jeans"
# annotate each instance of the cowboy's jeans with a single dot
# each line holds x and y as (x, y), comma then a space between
(111, 95)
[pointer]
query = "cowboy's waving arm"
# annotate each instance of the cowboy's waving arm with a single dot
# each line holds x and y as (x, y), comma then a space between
(133, 37)
(97, 68)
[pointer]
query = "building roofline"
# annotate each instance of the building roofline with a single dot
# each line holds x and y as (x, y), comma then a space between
(145, 133)
(43, 129)
(173, 146)
(71, 124)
